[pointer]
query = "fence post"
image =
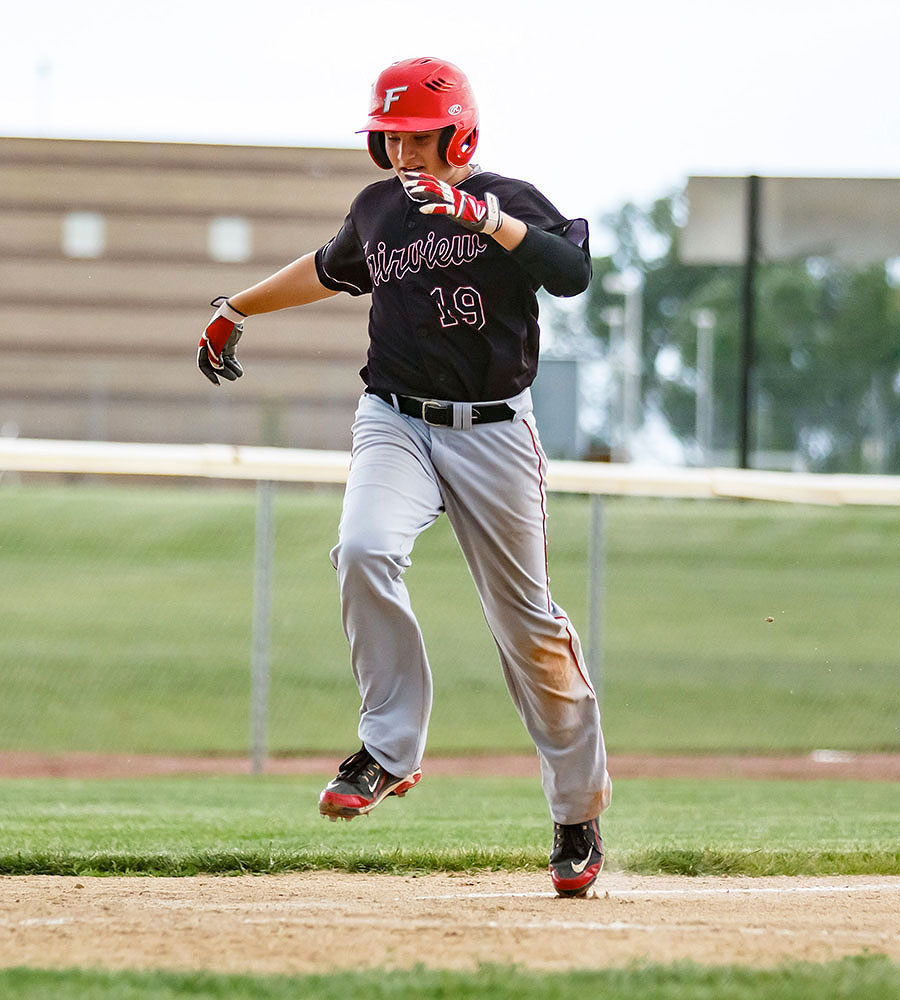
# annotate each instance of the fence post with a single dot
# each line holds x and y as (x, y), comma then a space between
(259, 655)
(597, 556)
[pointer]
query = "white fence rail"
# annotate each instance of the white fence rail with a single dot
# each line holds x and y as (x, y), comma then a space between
(219, 461)
(266, 466)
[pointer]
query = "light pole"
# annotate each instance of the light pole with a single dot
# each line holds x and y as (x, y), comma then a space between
(628, 284)
(705, 321)
(614, 317)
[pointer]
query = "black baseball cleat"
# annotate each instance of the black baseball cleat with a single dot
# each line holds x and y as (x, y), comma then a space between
(361, 783)
(577, 857)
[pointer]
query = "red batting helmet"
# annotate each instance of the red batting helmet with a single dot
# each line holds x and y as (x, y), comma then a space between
(417, 95)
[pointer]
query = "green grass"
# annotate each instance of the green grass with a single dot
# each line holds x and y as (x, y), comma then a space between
(856, 978)
(183, 826)
(126, 624)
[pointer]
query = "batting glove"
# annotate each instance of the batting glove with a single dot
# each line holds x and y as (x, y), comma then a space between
(216, 356)
(442, 199)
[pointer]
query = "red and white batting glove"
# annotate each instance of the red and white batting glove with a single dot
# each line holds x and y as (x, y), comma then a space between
(441, 198)
(216, 355)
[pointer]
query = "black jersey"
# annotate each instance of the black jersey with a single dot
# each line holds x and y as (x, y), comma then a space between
(454, 315)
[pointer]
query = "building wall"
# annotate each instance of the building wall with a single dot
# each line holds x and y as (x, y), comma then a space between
(109, 255)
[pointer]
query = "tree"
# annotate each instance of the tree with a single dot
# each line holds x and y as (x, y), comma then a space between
(826, 382)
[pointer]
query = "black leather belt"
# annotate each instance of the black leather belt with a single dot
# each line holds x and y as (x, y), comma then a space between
(441, 414)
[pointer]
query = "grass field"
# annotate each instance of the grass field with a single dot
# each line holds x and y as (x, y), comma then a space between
(182, 826)
(859, 979)
(127, 617)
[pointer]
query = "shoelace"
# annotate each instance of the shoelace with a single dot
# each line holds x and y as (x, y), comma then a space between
(360, 764)
(575, 838)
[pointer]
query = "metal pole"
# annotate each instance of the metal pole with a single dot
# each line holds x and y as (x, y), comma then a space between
(705, 321)
(631, 389)
(628, 325)
(615, 317)
(596, 573)
(748, 320)
(259, 656)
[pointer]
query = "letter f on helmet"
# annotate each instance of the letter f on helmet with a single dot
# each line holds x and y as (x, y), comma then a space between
(390, 95)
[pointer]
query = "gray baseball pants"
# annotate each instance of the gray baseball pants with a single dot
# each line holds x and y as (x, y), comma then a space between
(491, 481)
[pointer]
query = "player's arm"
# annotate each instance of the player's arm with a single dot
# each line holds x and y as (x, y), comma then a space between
(559, 261)
(295, 285)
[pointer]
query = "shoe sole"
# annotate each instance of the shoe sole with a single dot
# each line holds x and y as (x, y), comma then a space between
(570, 888)
(335, 807)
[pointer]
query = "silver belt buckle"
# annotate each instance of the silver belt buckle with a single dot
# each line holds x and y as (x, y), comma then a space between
(432, 402)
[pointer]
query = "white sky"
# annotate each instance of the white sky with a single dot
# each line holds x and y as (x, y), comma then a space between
(595, 102)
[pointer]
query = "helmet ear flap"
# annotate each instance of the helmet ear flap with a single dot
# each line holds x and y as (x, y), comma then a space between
(460, 146)
(377, 150)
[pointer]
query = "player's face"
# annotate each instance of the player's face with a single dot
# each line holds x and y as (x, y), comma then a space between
(419, 151)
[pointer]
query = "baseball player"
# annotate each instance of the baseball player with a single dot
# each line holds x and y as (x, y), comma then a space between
(452, 257)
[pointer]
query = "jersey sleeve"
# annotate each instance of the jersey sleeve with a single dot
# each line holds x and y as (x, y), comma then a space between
(341, 263)
(526, 203)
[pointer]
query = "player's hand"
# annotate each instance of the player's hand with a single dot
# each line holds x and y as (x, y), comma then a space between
(440, 198)
(216, 356)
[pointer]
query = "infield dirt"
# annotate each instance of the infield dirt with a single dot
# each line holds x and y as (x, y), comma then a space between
(805, 767)
(319, 921)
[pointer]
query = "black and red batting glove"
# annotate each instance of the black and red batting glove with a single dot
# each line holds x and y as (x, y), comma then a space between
(440, 198)
(216, 356)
